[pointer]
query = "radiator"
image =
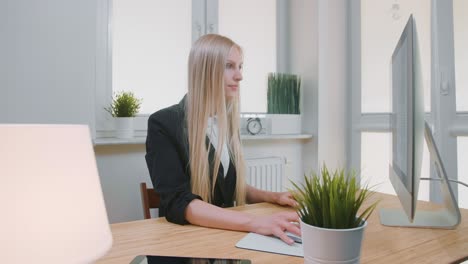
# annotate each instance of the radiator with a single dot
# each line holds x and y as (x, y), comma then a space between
(266, 173)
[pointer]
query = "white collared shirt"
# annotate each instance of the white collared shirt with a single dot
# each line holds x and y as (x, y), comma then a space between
(212, 133)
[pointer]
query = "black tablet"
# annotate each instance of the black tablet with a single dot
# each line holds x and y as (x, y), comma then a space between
(185, 260)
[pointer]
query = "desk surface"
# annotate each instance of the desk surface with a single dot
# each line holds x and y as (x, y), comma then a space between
(381, 244)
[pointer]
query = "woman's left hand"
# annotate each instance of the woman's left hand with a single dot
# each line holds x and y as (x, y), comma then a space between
(285, 198)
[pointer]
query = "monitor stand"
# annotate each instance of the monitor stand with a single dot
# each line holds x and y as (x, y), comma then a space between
(447, 217)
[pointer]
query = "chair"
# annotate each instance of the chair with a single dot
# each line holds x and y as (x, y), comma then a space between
(149, 199)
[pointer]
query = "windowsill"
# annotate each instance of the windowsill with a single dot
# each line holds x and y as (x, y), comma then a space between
(276, 137)
(119, 141)
(142, 140)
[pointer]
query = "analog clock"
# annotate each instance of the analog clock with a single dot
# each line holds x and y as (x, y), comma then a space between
(254, 126)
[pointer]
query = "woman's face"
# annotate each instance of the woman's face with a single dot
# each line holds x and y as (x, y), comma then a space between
(233, 73)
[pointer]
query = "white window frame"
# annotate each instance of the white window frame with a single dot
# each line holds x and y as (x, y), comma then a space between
(446, 123)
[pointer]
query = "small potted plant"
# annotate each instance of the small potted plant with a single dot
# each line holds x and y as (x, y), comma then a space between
(332, 220)
(123, 108)
(283, 100)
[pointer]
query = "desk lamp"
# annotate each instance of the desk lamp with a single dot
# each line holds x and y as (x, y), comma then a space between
(52, 207)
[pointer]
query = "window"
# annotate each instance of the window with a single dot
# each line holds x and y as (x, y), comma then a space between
(379, 27)
(375, 157)
(463, 170)
(255, 31)
(151, 40)
(372, 165)
(146, 47)
(460, 20)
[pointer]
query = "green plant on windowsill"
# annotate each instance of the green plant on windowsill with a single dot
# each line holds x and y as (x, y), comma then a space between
(333, 200)
(284, 93)
(124, 104)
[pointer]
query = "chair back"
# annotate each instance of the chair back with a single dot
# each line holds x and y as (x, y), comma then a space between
(150, 200)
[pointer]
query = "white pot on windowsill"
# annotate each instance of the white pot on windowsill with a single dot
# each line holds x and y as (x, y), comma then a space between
(124, 127)
(123, 108)
(284, 124)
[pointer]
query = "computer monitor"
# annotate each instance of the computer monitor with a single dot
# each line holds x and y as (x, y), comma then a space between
(408, 130)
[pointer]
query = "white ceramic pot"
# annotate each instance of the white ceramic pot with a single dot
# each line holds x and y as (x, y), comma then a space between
(283, 124)
(327, 246)
(124, 127)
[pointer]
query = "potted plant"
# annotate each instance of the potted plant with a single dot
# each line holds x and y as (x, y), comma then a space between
(123, 108)
(332, 220)
(283, 100)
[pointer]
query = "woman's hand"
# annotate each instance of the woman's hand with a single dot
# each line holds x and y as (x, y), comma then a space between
(285, 198)
(202, 213)
(255, 195)
(276, 224)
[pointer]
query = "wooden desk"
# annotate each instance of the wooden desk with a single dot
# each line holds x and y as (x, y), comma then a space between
(381, 244)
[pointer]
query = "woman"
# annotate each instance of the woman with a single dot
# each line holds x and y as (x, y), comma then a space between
(194, 152)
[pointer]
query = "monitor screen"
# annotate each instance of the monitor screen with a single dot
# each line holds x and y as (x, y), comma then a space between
(408, 130)
(401, 110)
(407, 118)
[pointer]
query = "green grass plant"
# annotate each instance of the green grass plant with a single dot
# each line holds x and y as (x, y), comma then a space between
(332, 200)
(124, 104)
(283, 95)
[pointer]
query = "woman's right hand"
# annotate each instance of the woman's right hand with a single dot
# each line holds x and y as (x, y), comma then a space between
(276, 224)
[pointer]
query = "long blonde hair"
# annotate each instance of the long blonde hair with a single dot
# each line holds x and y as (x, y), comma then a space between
(205, 98)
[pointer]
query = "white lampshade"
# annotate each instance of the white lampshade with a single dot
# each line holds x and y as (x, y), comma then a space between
(52, 208)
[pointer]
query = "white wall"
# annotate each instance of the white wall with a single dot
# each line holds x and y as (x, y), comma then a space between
(333, 83)
(319, 43)
(3, 54)
(123, 167)
(291, 150)
(48, 55)
(303, 59)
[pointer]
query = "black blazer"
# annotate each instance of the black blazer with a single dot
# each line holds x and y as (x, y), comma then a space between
(167, 158)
